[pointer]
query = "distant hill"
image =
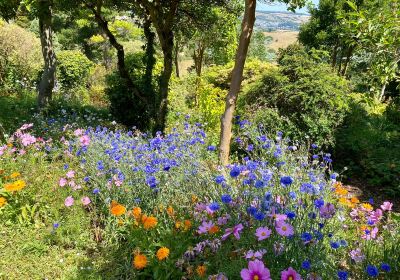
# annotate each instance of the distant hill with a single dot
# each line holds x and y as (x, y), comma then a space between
(271, 21)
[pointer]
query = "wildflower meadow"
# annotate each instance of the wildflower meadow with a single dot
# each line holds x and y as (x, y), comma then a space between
(161, 207)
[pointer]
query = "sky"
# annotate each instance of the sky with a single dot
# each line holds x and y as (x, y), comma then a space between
(279, 7)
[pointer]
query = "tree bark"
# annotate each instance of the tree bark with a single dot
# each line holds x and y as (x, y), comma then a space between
(347, 61)
(198, 57)
(334, 55)
(150, 61)
(236, 80)
(47, 81)
(123, 72)
(176, 58)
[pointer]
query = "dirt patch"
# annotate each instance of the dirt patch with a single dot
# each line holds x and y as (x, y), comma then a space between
(281, 38)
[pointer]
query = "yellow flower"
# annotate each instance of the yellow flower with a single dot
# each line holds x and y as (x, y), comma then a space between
(201, 270)
(178, 224)
(140, 261)
(117, 209)
(149, 222)
(16, 186)
(162, 253)
(367, 206)
(15, 175)
(3, 201)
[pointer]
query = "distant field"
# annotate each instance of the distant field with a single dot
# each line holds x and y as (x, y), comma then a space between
(281, 38)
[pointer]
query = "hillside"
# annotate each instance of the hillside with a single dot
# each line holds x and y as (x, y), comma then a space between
(271, 21)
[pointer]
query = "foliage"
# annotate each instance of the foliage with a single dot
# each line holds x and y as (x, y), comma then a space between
(368, 143)
(303, 97)
(257, 47)
(20, 58)
(123, 105)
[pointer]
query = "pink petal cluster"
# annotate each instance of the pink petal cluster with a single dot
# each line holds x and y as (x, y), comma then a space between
(284, 229)
(255, 270)
(263, 233)
(290, 274)
(69, 201)
(85, 200)
(27, 139)
(356, 255)
(387, 206)
(84, 140)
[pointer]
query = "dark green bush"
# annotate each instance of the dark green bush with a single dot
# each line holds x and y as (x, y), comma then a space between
(369, 143)
(301, 97)
(124, 106)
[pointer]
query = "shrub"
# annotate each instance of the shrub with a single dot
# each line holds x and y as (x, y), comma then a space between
(368, 143)
(20, 58)
(310, 99)
(73, 69)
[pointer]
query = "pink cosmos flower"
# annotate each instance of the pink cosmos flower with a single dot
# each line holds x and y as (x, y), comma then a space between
(27, 139)
(77, 187)
(205, 227)
(284, 229)
(255, 255)
(277, 217)
(62, 182)
(78, 132)
(387, 206)
(26, 126)
(84, 140)
(263, 233)
(290, 274)
(2, 149)
(255, 270)
(356, 255)
(376, 215)
(22, 152)
(70, 174)
(223, 219)
(69, 201)
(85, 200)
(235, 231)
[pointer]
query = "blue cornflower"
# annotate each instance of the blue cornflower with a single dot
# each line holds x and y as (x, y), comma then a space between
(306, 237)
(306, 265)
(214, 206)
(66, 166)
(86, 179)
(151, 181)
(319, 203)
(96, 191)
(259, 216)
(372, 270)
(343, 243)
(56, 225)
(343, 275)
(385, 267)
(219, 179)
(312, 215)
(335, 245)
(251, 210)
(259, 184)
(250, 147)
(291, 215)
(226, 198)
(314, 146)
(292, 195)
(315, 156)
(211, 148)
(286, 180)
(371, 201)
(235, 171)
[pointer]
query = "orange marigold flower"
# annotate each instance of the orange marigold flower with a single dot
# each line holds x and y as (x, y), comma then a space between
(117, 209)
(213, 229)
(149, 222)
(187, 224)
(201, 270)
(140, 261)
(194, 198)
(178, 224)
(354, 200)
(170, 210)
(3, 201)
(162, 253)
(136, 212)
(341, 191)
(15, 175)
(16, 186)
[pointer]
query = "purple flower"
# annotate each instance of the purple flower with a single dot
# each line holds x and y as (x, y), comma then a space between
(69, 201)
(205, 227)
(327, 211)
(286, 180)
(263, 233)
(235, 231)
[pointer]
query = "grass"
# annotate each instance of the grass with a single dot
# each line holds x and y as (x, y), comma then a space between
(281, 39)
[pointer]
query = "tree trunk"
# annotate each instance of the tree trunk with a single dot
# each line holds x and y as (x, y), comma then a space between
(198, 57)
(176, 58)
(123, 72)
(47, 81)
(150, 61)
(236, 80)
(340, 61)
(167, 46)
(347, 61)
(334, 55)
